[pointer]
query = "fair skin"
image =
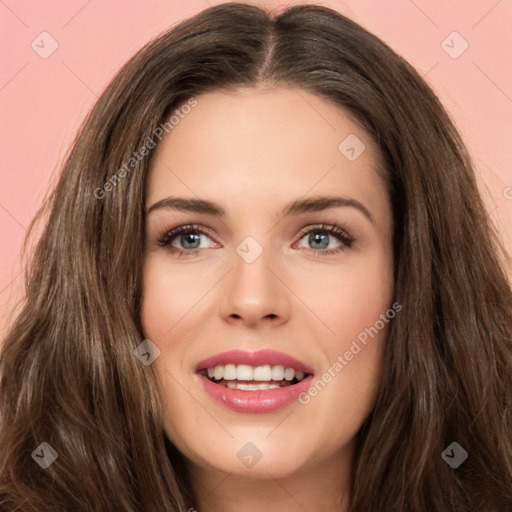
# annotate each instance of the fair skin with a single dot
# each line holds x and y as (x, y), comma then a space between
(253, 152)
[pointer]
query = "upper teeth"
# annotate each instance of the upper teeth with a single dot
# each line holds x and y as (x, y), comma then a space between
(246, 372)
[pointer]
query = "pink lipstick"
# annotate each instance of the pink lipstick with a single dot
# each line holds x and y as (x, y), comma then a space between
(254, 382)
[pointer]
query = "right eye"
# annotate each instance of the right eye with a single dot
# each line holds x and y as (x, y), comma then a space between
(188, 237)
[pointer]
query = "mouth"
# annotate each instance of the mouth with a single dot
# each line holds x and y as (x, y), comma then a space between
(254, 382)
(248, 378)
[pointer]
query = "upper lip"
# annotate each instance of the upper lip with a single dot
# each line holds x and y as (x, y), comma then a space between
(257, 358)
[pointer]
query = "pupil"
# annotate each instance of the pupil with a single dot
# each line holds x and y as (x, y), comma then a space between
(315, 239)
(190, 237)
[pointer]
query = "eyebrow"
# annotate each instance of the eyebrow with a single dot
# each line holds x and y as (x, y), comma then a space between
(312, 204)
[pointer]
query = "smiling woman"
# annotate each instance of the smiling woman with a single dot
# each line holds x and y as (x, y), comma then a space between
(288, 297)
(320, 227)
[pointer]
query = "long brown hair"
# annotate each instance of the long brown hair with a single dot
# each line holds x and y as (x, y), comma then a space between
(68, 376)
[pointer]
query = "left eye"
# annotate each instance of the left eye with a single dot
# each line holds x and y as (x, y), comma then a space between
(319, 237)
(319, 240)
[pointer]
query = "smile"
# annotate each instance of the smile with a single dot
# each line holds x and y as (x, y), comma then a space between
(242, 383)
(247, 378)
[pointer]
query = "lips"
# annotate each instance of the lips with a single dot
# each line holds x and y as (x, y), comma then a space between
(254, 382)
(254, 359)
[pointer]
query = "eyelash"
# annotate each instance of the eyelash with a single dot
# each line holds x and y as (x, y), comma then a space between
(165, 239)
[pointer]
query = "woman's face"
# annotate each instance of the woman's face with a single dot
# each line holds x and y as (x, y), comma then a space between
(260, 270)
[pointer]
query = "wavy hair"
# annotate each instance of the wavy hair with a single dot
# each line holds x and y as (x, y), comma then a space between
(68, 376)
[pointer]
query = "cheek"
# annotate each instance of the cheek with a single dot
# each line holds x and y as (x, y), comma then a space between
(168, 296)
(350, 298)
(168, 301)
(354, 304)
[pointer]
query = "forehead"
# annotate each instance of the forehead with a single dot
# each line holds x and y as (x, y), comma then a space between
(265, 146)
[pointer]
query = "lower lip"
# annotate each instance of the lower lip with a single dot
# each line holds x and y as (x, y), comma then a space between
(255, 402)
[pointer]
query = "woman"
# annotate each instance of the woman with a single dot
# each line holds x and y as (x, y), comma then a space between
(339, 339)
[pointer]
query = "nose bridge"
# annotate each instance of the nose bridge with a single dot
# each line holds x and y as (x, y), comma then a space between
(253, 292)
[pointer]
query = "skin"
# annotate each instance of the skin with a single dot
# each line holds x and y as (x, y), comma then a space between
(253, 151)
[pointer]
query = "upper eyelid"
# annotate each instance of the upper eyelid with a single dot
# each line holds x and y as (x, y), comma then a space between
(205, 230)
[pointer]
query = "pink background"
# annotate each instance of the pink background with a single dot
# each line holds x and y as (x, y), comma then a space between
(44, 100)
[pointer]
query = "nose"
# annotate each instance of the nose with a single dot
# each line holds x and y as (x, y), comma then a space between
(254, 295)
